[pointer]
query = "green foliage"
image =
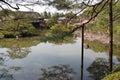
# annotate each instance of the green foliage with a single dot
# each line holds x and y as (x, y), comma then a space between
(86, 13)
(117, 30)
(61, 4)
(13, 24)
(102, 20)
(100, 24)
(1, 35)
(53, 20)
(46, 14)
(115, 75)
(117, 69)
(60, 30)
(59, 34)
(13, 28)
(70, 15)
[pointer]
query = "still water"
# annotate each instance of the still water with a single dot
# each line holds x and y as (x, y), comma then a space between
(32, 59)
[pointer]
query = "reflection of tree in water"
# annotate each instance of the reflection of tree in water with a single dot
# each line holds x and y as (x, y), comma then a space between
(116, 50)
(59, 41)
(57, 38)
(19, 48)
(94, 46)
(17, 52)
(58, 72)
(103, 47)
(99, 68)
(16, 49)
(5, 71)
(22, 42)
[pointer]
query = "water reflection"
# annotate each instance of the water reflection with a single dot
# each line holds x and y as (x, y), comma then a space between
(58, 40)
(99, 68)
(58, 72)
(15, 49)
(103, 48)
(18, 48)
(21, 42)
(24, 58)
(17, 52)
(5, 71)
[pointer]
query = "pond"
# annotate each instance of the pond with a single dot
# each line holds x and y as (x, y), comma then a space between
(36, 59)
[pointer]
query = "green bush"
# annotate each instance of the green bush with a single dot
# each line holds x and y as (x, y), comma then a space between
(8, 34)
(117, 30)
(60, 30)
(115, 75)
(1, 35)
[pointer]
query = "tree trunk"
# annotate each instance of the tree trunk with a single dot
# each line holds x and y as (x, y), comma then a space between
(110, 35)
(82, 53)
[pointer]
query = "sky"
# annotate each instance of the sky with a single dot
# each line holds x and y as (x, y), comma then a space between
(34, 8)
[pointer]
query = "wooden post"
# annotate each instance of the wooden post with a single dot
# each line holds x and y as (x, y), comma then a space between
(82, 53)
(111, 35)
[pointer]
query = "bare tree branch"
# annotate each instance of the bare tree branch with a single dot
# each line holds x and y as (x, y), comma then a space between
(90, 5)
(25, 5)
(91, 18)
(17, 7)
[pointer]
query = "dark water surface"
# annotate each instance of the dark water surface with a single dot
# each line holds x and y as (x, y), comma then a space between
(23, 60)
